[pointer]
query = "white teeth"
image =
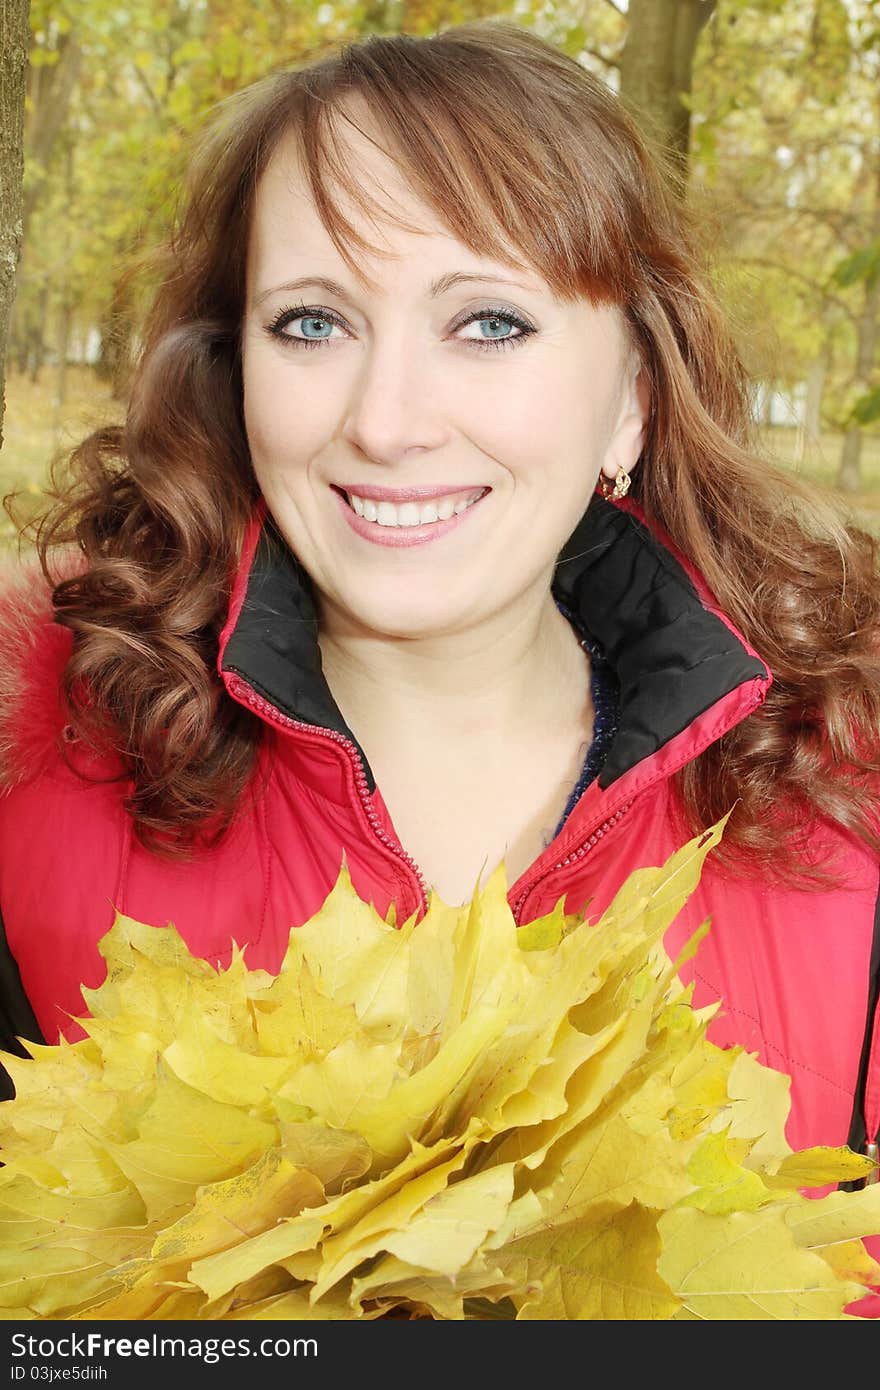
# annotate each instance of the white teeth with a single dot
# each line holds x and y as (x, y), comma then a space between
(387, 514)
(412, 513)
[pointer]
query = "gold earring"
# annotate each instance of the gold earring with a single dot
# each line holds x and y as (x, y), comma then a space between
(619, 488)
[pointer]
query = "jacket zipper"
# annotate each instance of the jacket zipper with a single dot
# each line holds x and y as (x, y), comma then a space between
(864, 1135)
(240, 688)
(606, 825)
(267, 710)
(590, 843)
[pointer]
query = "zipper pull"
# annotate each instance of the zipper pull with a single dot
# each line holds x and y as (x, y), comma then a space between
(871, 1151)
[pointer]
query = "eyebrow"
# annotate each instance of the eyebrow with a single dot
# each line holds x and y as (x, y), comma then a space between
(436, 288)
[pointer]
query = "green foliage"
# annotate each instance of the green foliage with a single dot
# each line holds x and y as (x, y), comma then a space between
(863, 264)
(151, 72)
(784, 136)
(786, 133)
(830, 38)
(867, 408)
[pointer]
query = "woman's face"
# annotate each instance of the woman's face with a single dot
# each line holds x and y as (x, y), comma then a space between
(426, 444)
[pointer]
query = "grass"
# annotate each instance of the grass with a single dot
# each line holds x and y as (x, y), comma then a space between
(817, 461)
(37, 429)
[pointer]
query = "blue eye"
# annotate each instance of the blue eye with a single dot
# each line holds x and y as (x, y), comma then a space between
(496, 329)
(316, 326)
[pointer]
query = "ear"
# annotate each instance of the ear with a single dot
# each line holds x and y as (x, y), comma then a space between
(628, 437)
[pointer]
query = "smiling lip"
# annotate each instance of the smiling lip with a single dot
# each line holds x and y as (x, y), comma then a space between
(404, 494)
(401, 536)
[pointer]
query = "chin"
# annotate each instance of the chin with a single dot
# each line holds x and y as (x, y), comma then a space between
(408, 619)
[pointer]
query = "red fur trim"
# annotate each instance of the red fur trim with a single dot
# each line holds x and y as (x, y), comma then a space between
(33, 653)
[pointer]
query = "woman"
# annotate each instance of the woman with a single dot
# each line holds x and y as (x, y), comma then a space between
(434, 537)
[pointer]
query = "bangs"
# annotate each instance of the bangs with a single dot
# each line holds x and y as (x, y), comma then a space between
(508, 169)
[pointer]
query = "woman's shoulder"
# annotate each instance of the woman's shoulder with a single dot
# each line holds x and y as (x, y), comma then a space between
(34, 651)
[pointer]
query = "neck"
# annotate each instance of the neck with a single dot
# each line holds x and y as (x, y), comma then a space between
(494, 678)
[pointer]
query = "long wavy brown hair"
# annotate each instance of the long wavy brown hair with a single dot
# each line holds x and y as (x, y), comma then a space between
(513, 145)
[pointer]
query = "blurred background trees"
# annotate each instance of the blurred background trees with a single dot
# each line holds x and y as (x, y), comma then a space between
(13, 77)
(770, 110)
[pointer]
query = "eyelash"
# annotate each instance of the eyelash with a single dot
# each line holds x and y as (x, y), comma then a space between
(290, 314)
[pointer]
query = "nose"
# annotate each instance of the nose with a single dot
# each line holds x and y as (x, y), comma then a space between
(395, 405)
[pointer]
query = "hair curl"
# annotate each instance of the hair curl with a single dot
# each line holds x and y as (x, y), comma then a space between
(491, 126)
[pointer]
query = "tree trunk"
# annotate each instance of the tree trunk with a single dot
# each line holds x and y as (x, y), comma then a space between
(656, 69)
(62, 348)
(817, 377)
(25, 341)
(65, 314)
(849, 477)
(14, 42)
(52, 90)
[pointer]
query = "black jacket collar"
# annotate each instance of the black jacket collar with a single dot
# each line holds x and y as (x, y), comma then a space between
(673, 658)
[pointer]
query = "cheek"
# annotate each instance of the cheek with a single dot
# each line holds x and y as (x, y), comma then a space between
(285, 425)
(504, 411)
(578, 400)
(549, 419)
(261, 421)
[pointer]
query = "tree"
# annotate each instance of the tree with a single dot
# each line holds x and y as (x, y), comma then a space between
(787, 134)
(645, 50)
(14, 16)
(116, 92)
(656, 68)
(864, 269)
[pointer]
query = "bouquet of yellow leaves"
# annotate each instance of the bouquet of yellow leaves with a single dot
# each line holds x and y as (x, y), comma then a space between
(449, 1119)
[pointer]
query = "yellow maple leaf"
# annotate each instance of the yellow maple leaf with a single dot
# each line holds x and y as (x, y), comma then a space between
(454, 1119)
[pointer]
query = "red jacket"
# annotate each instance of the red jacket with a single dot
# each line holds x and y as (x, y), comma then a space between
(793, 968)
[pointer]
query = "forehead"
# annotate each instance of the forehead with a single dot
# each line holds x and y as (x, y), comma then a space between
(372, 195)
